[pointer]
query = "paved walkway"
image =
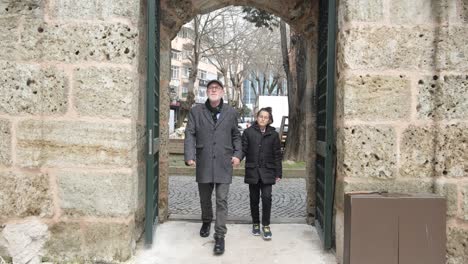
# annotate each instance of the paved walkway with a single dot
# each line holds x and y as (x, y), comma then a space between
(289, 200)
(178, 242)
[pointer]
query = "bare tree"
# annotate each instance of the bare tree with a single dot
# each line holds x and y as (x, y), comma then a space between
(233, 53)
(266, 70)
(203, 27)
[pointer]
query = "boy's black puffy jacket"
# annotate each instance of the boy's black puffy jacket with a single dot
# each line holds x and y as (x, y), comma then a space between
(263, 155)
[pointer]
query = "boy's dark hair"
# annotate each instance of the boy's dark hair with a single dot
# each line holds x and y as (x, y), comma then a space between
(269, 111)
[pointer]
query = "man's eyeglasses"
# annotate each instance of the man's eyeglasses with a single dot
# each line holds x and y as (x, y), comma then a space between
(214, 88)
(264, 117)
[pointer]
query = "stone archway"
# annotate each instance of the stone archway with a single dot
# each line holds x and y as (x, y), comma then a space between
(300, 15)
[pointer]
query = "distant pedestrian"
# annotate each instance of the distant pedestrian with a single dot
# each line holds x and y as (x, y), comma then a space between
(213, 143)
(263, 168)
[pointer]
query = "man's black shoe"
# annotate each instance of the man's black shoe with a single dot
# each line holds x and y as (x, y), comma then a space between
(219, 245)
(205, 230)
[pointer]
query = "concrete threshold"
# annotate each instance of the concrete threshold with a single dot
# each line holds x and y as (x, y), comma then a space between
(238, 220)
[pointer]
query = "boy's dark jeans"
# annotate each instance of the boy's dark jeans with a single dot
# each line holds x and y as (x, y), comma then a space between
(265, 190)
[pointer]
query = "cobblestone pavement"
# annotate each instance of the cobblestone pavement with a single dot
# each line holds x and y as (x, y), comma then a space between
(289, 199)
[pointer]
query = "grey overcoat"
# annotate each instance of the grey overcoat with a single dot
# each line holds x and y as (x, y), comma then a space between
(212, 145)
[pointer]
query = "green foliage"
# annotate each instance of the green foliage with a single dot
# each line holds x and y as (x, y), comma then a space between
(260, 18)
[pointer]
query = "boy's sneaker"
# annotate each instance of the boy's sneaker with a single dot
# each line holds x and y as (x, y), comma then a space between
(256, 229)
(266, 232)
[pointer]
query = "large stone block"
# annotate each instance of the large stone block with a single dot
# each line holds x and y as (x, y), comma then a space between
(417, 152)
(422, 11)
(103, 42)
(5, 142)
(9, 34)
(450, 151)
(25, 194)
(392, 48)
(74, 143)
(91, 9)
(377, 98)
(443, 97)
(105, 92)
(362, 10)
(65, 244)
(367, 151)
(452, 50)
(32, 89)
(29, 8)
(457, 245)
(450, 191)
(97, 193)
(109, 242)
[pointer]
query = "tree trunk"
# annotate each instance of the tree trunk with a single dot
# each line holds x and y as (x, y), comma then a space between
(295, 147)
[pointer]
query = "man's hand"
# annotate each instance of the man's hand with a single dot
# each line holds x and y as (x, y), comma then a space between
(235, 161)
(190, 163)
(277, 179)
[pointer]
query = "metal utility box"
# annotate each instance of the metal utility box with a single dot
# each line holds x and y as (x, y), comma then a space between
(388, 228)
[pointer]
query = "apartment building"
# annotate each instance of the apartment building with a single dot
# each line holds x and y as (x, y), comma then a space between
(181, 68)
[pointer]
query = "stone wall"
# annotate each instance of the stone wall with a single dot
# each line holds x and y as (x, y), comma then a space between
(402, 105)
(72, 129)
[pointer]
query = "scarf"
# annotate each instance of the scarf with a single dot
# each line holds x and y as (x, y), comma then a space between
(214, 110)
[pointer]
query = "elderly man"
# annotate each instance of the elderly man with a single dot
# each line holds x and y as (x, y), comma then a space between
(213, 144)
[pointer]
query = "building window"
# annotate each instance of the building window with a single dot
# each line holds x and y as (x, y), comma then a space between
(174, 72)
(186, 72)
(184, 92)
(175, 55)
(201, 92)
(202, 75)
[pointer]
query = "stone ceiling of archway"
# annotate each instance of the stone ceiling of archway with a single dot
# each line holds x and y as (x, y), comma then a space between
(297, 13)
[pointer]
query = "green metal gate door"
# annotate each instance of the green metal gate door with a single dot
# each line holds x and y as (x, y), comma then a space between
(325, 113)
(152, 120)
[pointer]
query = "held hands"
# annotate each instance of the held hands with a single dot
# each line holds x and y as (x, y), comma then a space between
(277, 179)
(235, 161)
(191, 163)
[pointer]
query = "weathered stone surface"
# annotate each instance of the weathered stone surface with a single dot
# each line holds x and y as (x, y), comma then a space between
(421, 11)
(388, 48)
(367, 152)
(465, 201)
(109, 242)
(452, 51)
(463, 11)
(105, 92)
(362, 10)
(97, 193)
(376, 185)
(31, 89)
(91, 9)
(25, 194)
(457, 245)
(443, 97)
(103, 42)
(450, 191)
(3, 247)
(417, 152)
(9, 34)
(65, 243)
(377, 98)
(30, 8)
(26, 240)
(5, 142)
(451, 154)
(73, 143)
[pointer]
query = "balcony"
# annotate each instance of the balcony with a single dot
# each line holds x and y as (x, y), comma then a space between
(202, 82)
(174, 83)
